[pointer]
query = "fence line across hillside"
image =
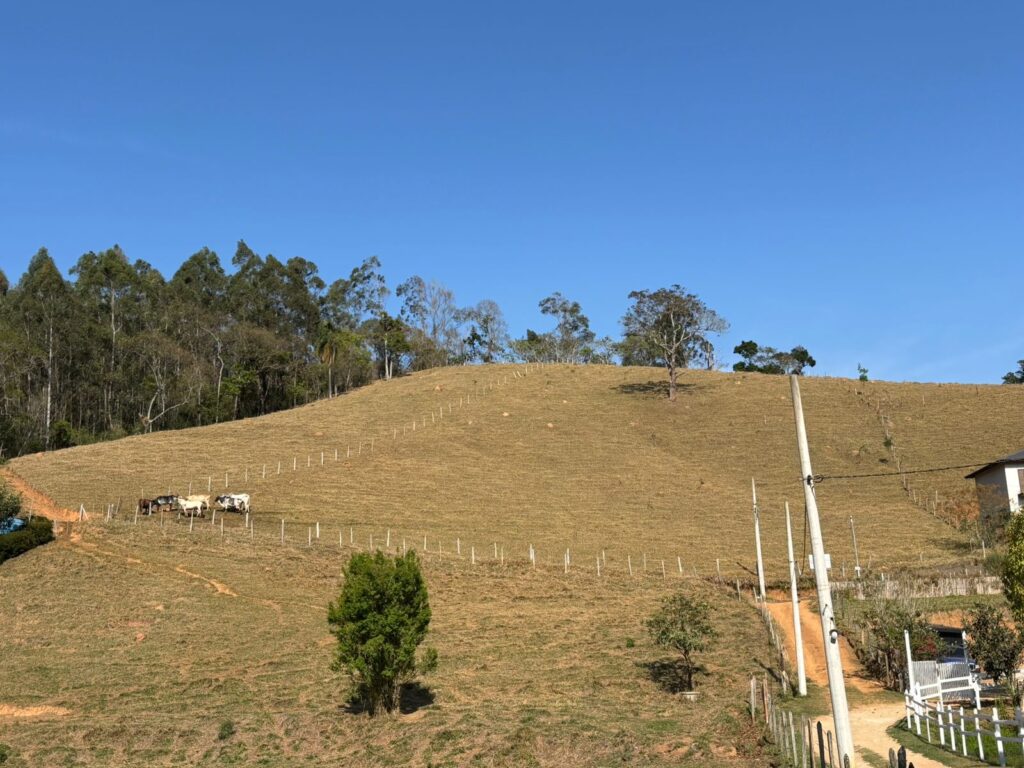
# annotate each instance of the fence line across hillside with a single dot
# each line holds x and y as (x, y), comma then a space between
(360, 445)
(312, 535)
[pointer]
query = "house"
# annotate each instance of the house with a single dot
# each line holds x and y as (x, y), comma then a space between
(1000, 486)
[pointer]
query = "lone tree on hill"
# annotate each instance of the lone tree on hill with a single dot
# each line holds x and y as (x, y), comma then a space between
(683, 624)
(379, 619)
(671, 328)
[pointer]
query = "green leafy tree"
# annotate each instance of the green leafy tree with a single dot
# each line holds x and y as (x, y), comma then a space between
(672, 328)
(1013, 567)
(1015, 377)
(684, 625)
(884, 657)
(758, 359)
(992, 643)
(862, 373)
(379, 619)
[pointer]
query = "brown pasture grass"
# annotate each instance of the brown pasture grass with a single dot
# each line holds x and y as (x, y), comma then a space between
(619, 469)
(147, 661)
(151, 637)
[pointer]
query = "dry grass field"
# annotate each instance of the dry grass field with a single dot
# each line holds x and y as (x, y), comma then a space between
(585, 458)
(149, 637)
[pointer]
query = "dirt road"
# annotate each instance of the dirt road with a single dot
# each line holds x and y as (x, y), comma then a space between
(37, 501)
(868, 722)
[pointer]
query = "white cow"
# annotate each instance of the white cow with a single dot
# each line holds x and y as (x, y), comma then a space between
(203, 499)
(191, 506)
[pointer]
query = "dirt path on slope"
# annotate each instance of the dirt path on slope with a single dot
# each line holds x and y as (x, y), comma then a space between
(37, 501)
(868, 722)
(814, 654)
(41, 504)
(222, 589)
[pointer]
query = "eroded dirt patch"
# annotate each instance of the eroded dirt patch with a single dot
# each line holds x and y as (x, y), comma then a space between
(9, 711)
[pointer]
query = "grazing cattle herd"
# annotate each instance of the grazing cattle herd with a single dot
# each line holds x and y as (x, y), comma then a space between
(196, 504)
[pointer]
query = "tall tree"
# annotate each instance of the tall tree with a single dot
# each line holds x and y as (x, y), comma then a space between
(672, 328)
(487, 333)
(572, 336)
(43, 303)
(105, 282)
(353, 300)
(430, 313)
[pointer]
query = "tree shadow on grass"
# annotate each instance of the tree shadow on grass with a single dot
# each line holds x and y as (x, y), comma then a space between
(657, 389)
(411, 697)
(670, 675)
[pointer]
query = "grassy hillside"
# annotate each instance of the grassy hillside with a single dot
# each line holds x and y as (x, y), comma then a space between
(127, 635)
(143, 639)
(584, 458)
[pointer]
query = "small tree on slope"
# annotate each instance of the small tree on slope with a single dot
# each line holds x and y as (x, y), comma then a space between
(379, 619)
(684, 625)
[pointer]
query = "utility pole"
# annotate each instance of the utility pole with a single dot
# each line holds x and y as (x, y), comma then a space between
(757, 541)
(829, 631)
(798, 635)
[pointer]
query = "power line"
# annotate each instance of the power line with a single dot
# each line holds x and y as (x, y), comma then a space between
(821, 478)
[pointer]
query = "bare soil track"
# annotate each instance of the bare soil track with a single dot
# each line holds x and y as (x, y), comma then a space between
(35, 500)
(869, 722)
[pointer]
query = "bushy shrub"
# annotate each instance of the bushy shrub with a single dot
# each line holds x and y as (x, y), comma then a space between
(38, 531)
(379, 619)
(10, 503)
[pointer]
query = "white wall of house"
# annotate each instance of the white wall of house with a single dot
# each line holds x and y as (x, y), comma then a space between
(1000, 488)
(1013, 485)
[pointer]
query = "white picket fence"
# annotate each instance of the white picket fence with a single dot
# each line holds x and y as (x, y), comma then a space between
(969, 731)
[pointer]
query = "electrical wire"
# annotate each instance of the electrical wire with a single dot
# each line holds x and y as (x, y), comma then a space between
(823, 477)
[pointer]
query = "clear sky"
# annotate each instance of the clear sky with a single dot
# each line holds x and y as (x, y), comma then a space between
(844, 176)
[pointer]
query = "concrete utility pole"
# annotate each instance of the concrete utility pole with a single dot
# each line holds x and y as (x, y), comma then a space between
(798, 635)
(829, 631)
(757, 541)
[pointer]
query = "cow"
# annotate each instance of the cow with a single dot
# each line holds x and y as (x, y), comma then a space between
(234, 502)
(203, 499)
(191, 507)
(146, 506)
(163, 503)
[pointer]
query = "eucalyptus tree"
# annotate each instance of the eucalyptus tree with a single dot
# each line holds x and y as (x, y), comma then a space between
(670, 327)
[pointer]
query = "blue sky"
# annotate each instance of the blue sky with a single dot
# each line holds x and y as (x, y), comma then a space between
(845, 177)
